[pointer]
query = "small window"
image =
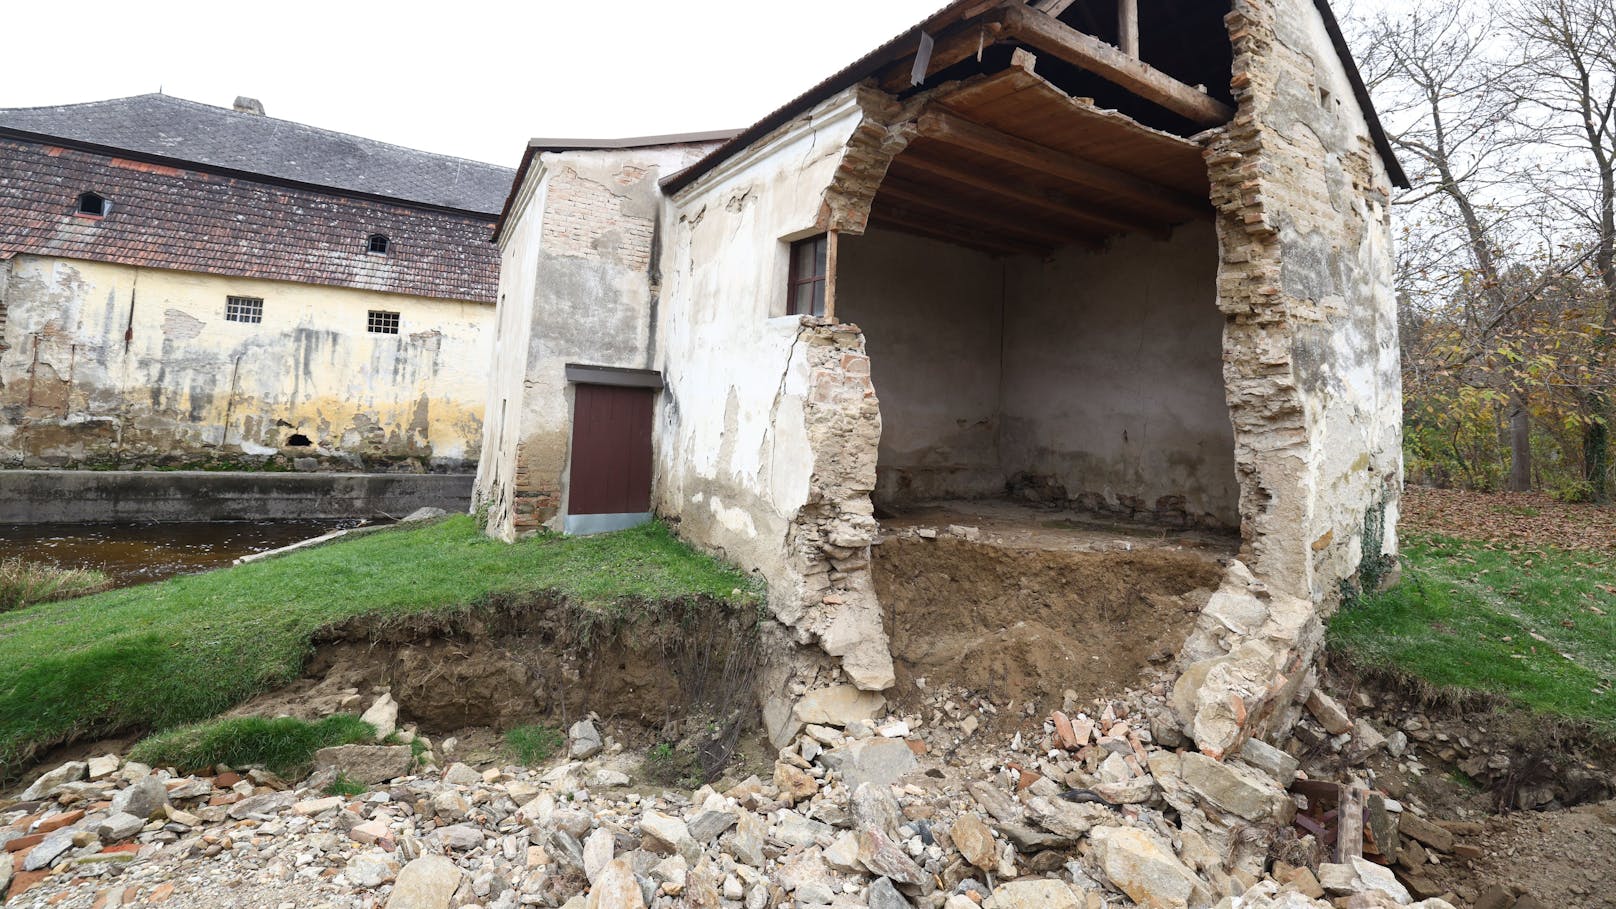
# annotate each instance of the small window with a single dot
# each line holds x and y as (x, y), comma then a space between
(377, 244)
(244, 309)
(94, 205)
(382, 323)
(806, 296)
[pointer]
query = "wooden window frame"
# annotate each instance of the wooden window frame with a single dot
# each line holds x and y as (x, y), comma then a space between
(820, 278)
(371, 244)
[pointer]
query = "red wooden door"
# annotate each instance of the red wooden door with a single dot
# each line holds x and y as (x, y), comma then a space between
(611, 450)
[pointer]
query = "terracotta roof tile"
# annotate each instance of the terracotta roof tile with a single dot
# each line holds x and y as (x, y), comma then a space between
(194, 221)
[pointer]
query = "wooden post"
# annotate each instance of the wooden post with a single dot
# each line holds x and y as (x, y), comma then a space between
(1128, 27)
(830, 274)
(1349, 824)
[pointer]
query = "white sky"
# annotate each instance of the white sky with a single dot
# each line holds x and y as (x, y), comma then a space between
(471, 78)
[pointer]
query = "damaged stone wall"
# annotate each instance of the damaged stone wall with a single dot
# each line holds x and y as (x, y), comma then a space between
(768, 434)
(1310, 354)
(105, 365)
(1310, 342)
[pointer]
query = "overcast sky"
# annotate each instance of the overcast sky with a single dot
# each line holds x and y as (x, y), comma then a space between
(469, 78)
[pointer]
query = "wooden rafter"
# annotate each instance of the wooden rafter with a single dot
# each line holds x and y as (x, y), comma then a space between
(1050, 35)
(909, 219)
(954, 46)
(1027, 193)
(1002, 223)
(1053, 7)
(1128, 27)
(955, 130)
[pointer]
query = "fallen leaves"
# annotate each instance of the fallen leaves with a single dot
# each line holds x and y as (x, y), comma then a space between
(1511, 520)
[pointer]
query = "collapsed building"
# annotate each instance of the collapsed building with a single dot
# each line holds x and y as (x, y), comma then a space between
(189, 285)
(1123, 262)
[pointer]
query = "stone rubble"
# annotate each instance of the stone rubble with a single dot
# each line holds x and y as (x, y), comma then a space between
(861, 810)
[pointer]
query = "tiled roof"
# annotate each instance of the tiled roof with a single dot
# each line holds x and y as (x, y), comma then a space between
(164, 217)
(218, 137)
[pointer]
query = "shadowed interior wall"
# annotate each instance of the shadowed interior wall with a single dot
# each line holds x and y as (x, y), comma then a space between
(1091, 377)
(931, 314)
(1113, 380)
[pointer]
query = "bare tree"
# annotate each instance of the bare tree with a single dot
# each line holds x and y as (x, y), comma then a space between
(1568, 69)
(1444, 86)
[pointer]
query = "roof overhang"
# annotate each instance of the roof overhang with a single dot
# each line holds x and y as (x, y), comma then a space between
(920, 40)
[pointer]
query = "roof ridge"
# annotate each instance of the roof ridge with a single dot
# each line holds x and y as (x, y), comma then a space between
(215, 108)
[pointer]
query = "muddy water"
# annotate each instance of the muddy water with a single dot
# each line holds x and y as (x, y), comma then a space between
(132, 554)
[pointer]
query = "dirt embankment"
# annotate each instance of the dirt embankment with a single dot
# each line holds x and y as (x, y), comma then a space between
(1025, 625)
(650, 665)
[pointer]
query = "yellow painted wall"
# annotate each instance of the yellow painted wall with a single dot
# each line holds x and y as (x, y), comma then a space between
(108, 363)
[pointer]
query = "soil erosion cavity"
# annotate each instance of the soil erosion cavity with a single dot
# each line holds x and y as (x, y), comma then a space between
(1028, 624)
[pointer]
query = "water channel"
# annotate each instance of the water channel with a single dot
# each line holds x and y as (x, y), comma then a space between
(132, 554)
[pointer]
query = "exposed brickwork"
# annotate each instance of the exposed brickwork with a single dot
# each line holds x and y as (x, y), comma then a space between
(534, 501)
(1273, 185)
(832, 534)
(586, 218)
(162, 217)
(879, 138)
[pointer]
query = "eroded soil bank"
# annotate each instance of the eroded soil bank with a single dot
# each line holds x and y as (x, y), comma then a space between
(1024, 624)
(654, 672)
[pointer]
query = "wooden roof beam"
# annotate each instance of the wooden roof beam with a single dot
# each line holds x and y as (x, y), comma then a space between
(952, 129)
(1027, 193)
(1006, 226)
(953, 46)
(1053, 7)
(911, 220)
(1050, 35)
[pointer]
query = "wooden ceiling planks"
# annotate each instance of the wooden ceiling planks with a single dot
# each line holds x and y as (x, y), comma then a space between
(1119, 176)
(1024, 104)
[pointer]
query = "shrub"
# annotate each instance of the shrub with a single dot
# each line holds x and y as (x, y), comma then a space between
(533, 745)
(26, 583)
(284, 745)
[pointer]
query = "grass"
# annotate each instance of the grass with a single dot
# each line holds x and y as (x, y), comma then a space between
(183, 650)
(1537, 629)
(26, 583)
(284, 745)
(535, 744)
(345, 787)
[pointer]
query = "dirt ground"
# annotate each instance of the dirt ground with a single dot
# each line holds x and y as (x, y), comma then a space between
(1562, 858)
(1025, 605)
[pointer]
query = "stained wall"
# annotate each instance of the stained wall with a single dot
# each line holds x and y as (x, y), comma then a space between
(108, 364)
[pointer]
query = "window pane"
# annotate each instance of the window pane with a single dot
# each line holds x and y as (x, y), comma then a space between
(819, 298)
(801, 299)
(803, 267)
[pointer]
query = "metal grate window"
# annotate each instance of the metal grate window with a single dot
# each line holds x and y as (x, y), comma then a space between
(244, 309)
(381, 322)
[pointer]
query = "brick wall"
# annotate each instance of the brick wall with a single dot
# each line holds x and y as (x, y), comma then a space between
(588, 219)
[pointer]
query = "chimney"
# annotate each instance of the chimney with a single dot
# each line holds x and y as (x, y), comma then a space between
(248, 105)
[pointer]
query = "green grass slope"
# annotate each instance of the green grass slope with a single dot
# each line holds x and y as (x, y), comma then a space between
(165, 654)
(1535, 628)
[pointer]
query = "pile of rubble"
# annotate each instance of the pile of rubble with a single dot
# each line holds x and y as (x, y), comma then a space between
(863, 809)
(1174, 795)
